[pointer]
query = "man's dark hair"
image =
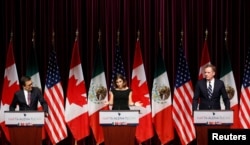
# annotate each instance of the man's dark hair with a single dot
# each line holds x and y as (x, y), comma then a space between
(23, 80)
(212, 66)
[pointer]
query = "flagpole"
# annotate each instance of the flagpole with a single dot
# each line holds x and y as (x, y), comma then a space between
(53, 47)
(206, 34)
(76, 34)
(75, 41)
(160, 39)
(53, 40)
(99, 37)
(138, 34)
(118, 37)
(33, 38)
(226, 38)
(11, 36)
(182, 37)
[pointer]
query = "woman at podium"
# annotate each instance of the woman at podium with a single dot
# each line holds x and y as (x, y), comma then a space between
(120, 96)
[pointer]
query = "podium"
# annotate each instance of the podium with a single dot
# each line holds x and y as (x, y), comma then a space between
(119, 126)
(210, 119)
(25, 127)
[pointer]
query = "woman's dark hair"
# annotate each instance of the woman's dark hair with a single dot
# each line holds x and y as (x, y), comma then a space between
(119, 76)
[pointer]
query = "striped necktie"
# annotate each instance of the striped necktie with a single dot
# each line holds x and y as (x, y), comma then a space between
(29, 98)
(209, 90)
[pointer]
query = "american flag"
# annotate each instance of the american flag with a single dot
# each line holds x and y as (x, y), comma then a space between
(118, 65)
(182, 101)
(53, 94)
(244, 111)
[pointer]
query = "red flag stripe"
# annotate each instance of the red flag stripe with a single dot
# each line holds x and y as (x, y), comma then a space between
(55, 122)
(244, 108)
(79, 125)
(57, 107)
(182, 109)
(96, 128)
(163, 120)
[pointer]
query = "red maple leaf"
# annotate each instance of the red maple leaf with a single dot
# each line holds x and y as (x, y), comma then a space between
(75, 92)
(8, 91)
(140, 92)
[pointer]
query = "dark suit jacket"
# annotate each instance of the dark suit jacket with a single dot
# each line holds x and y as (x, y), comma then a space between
(36, 95)
(201, 96)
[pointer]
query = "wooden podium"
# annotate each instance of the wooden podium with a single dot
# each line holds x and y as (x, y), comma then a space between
(119, 126)
(25, 128)
(210, 119)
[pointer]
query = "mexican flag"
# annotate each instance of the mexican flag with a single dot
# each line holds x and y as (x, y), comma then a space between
(227, 77)
(33, 71)
(32, 67)
(97, 96)
(162, 102)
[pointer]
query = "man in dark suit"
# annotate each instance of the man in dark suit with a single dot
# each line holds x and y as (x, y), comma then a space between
(28, 96)
(208, 92)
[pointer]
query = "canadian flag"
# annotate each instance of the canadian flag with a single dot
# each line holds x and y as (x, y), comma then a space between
(76, 111)
(10, 86)
(205, 59)
(139, 86)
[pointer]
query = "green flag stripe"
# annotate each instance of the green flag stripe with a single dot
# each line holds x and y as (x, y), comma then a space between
(225, 66)
(160, 66)
(98, 63)
(32, 67)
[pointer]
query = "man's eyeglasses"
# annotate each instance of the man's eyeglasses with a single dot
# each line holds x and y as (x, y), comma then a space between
(29, 84)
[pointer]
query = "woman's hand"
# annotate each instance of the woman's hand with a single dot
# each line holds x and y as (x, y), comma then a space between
(107, 103)
(138, 103)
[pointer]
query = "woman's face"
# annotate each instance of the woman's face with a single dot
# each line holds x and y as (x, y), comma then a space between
(119, 83)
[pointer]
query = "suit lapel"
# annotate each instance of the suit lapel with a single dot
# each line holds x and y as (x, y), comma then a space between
(215, 85)
(23, 97)
(206, 88)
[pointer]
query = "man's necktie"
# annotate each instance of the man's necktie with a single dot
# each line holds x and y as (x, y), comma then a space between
(209, 90)
(29, 98)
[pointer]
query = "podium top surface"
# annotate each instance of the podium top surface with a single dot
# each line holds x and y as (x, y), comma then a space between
(213, 117)
(119, 117)
(24, 118)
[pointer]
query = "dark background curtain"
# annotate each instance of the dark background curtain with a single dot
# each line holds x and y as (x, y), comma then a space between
(170, 17)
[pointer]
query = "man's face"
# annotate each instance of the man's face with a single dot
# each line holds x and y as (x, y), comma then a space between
(28, 85)
(209, 73)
